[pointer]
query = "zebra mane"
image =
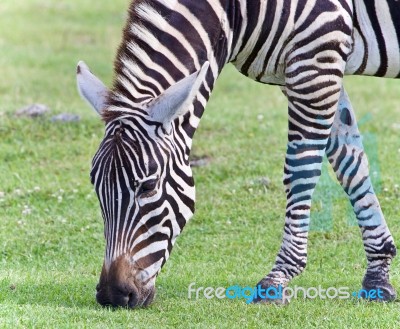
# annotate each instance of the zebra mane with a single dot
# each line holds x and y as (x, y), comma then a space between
(119, 96)
(137, 79)
(108, 115)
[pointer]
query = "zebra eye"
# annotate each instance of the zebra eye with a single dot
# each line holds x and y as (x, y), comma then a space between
(147, 188)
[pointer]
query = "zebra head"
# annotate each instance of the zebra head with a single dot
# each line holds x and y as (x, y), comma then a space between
(144, 184)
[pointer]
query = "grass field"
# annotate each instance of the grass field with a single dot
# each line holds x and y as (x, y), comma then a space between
(51, 240)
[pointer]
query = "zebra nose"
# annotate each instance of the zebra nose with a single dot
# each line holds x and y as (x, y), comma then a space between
(116, 296)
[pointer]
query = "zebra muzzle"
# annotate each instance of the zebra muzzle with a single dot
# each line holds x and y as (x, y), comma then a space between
(119, 288)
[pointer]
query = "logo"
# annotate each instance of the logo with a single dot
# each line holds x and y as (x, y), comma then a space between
(280, 293)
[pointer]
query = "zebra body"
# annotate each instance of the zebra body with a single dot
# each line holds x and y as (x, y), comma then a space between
(373, 52)
(170, 57)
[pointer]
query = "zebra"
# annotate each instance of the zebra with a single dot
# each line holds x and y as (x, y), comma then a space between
(170, 56)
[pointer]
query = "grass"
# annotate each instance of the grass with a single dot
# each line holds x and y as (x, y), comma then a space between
(51, 241)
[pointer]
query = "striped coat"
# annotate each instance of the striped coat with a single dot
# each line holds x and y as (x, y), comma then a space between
(169, 59)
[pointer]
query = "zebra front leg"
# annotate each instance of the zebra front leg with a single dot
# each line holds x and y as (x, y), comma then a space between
(308, 136)
(345, 152)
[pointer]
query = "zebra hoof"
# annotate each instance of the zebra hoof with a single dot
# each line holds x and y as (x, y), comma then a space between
(378, 289)
(268, 291)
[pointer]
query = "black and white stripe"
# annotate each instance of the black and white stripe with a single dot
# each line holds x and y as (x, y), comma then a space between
(141, 171)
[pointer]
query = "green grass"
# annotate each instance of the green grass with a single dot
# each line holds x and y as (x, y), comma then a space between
(50, 259)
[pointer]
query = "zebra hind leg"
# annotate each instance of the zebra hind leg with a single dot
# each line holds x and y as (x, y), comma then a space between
(345, 152)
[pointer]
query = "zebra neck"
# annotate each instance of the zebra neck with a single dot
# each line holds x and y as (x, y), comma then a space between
(165, 41)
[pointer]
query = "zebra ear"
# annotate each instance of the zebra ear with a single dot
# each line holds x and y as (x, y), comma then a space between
(175, 101)
(90, 87)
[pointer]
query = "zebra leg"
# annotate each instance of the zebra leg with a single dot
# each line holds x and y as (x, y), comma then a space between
(310, 122)
(345, 152)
